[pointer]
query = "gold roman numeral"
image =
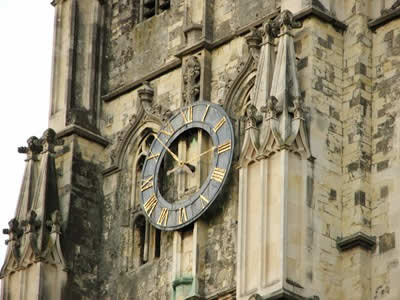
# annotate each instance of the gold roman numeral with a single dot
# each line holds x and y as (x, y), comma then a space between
(219, 124)
(150, 205)
(205, 113)
(204, 201)
(163, 219)
(188, 115)
(151, 155)
(218, 174)
(182, 217)
(224, 147)
(148, 183)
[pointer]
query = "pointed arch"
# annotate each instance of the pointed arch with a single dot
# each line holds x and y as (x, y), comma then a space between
(239, 92)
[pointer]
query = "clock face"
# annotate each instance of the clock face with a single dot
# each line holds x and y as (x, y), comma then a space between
(187, 165)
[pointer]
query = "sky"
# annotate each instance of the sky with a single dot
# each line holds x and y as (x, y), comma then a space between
(26, 30)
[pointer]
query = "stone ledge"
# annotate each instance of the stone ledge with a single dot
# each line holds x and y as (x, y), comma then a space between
(286, 295)
(110, 171)
(83, 133)
(358, 239)
(321, 15)
(382, 20)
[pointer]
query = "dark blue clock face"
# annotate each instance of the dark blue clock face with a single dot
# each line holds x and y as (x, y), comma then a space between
(187, 165)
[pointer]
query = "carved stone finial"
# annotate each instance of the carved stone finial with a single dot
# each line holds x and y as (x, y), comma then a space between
(34, 148)
(31, 224)
(298, 110)
(270, 110)
(254, 39)
(284, 23)
(146, 93)
(191, 80)
(55, 221)
(14, 230)
(49, 140)
(250, 117)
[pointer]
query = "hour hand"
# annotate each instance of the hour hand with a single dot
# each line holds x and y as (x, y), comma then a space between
(166, 148)
(186, 166)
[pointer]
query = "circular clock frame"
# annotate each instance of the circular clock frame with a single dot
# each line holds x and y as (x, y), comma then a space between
(212, 119)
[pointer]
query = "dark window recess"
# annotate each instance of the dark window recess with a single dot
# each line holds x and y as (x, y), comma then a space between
(140, 234)
(157, 250)
(153, 7)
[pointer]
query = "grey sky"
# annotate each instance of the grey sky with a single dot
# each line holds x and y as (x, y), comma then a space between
(26, 30)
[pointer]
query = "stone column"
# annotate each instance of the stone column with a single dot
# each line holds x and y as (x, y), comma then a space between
(76, 71)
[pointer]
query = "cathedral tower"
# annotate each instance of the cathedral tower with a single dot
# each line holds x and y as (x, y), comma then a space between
(214, 150)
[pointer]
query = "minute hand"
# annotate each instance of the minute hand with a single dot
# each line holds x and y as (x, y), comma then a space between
(200, 155)
(169, 151)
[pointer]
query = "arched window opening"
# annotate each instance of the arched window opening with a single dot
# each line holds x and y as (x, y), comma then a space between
(146, 238)
(150, 8)
(140, 241)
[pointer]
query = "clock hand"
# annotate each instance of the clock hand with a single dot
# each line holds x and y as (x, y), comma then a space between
(169, 151)
(187, 163)
(181, 165)
(200, 155)
(187, 169)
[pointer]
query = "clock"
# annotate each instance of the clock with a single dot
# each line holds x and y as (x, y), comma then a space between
(187, 165)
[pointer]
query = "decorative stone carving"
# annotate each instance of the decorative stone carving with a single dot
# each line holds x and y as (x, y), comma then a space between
(191, 80)
(283, 24)
(253, 41)
(55, 222)
(277, 94)
(29, 240)
(34, 148)
(14, 232)
(49, 141)
(251, 139)
(31, 224)
(146, 94)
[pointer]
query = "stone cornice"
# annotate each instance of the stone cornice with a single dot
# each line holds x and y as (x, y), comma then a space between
(176, 63)
(202, 44)
(358, 239)
(84, 133)
(321, 15)
(384, 19)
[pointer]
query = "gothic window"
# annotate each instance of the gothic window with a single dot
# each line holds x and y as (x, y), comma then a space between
(149, 8)
(146, 238)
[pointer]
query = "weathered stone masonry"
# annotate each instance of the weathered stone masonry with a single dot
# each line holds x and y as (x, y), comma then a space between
(326, 223)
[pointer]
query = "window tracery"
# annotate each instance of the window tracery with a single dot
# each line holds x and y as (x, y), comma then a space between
(146, 240)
